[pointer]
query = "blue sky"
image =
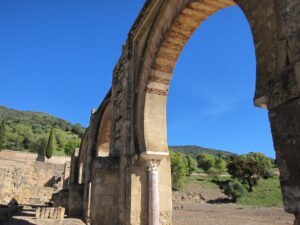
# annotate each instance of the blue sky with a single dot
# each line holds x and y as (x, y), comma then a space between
(58, 56)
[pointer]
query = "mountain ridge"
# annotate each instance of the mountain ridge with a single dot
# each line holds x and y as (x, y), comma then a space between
(195, 150)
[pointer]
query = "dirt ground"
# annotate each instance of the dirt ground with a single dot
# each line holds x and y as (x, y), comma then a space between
(196, 214)
(229, 214)
(26, 217)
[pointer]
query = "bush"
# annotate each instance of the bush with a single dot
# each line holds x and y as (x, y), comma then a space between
(213, 171)
(269, 174)
(71, 146)
(206, 161)
(220, 165)
(234, 189)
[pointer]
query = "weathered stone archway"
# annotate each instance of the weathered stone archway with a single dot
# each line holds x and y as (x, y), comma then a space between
(103, 137)
(138, 160)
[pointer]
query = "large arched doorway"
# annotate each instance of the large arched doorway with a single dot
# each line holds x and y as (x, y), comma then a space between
(169, 44)
(169, 34)
(210, 99)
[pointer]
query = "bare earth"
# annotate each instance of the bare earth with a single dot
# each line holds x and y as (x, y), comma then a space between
(229, 214)
(26, 217)
(197, 214)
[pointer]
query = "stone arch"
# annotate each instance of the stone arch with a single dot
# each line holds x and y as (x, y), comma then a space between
(82, 158)
(171, 31)
(103, 136)
(174, 23)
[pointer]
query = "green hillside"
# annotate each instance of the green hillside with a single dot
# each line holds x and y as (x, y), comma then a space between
(29, 131)
(194, 151)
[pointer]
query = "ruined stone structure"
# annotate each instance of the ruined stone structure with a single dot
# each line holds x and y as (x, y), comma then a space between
(122, 171)
(30, 182)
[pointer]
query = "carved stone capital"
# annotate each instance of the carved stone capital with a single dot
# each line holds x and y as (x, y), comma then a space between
(152, 165)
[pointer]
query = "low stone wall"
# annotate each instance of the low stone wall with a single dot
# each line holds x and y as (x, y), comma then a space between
(26, 180)
(57, 213)
(31, 157)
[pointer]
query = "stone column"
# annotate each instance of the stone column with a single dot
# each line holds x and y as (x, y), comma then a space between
(153, 192)
(297, 219)
(88, 204)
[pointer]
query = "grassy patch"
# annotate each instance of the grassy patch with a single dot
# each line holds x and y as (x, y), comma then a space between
(206, 181)
(267, 193)
(59, 152)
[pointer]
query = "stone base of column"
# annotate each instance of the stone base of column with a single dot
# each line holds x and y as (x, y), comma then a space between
(297, 219)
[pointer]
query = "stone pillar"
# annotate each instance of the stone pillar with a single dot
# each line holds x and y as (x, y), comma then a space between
(153, 192)
(285, 120)
(88, 204)
(297, 219)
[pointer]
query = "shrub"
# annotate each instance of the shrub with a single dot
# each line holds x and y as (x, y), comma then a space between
(213, 171)
(220, 165)
(234, 189)
(268, 174)
(71, 146)
(206, 161)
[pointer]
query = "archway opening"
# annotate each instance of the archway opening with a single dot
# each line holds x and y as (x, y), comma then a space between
(103, 139)
(210, 106)
(210, 99)
(166, 44)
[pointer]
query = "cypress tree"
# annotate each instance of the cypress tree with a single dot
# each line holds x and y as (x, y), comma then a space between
(2, 134)
(51, 144)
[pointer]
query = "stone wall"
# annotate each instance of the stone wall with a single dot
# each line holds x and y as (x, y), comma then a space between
(105, 191)
(26, 180)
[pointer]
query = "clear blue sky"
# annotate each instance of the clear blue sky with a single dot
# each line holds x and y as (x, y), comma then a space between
(57, 57)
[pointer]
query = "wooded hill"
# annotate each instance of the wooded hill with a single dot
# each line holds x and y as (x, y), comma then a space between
(29, 131)
(194, 151)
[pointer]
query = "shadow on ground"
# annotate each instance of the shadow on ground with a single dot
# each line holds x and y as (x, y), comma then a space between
(15, 221)
(221, 201)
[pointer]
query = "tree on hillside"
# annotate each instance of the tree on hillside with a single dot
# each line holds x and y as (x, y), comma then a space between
(220, 165)
(191, 164)
(206, 161)
(247, 170)
(78, 129)
(42, 145)
(71, 146)
(2, 134)
(178, 170)
(266, 162)
(51, 144)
